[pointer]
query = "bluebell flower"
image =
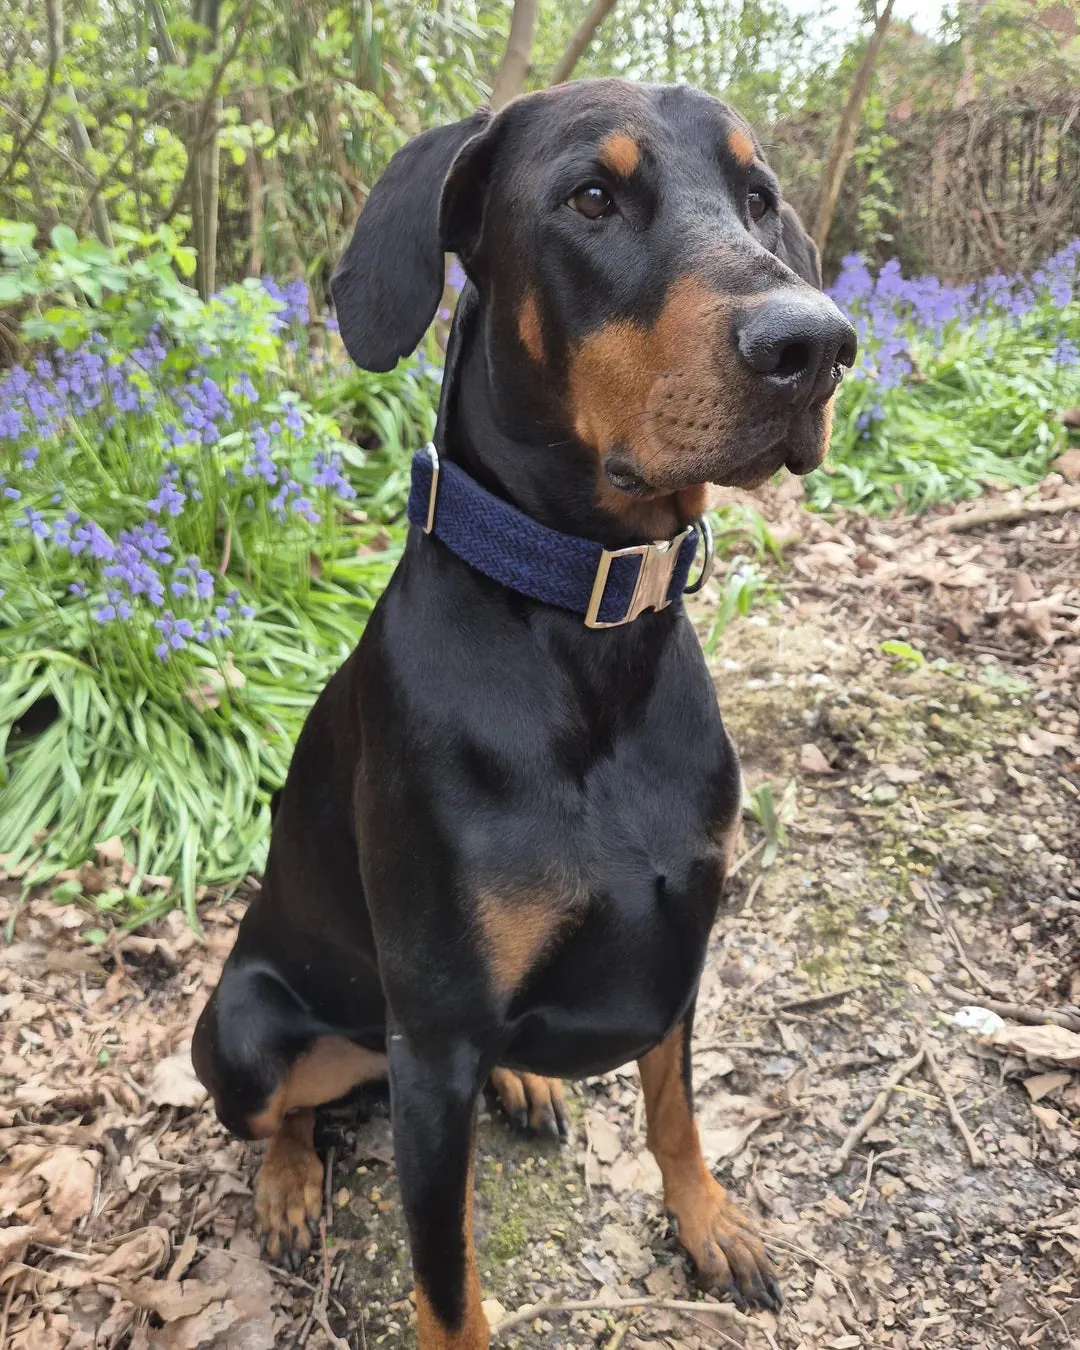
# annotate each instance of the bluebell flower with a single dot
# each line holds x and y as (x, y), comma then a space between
(34, 522)
(169, 497)
(1067, 353)
(328, 474)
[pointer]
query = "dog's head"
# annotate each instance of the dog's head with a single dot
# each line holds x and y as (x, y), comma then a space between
(646, 293)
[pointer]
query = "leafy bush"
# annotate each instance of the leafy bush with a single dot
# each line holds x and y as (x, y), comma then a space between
(955, 388)
(182, 560)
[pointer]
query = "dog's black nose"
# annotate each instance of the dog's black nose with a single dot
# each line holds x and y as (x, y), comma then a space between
(798, 344)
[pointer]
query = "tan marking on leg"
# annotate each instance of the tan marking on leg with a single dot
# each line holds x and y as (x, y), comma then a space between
(288, 1190)
(529, 328)
(621, 153)
(329, 1069)
(473, 1333)
(741, 147)
(718, 1236)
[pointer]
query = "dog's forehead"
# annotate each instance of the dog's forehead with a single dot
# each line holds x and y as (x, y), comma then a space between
(622, 123)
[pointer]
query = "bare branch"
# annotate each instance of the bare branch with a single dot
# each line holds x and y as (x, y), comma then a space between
(575, 48)
(510, 81)
(843, 146)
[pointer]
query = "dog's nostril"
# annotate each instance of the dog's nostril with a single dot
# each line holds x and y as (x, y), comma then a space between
(793, 360)
(846, 355)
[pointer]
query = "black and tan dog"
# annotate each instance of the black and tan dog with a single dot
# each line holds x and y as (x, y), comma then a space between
(500, 849)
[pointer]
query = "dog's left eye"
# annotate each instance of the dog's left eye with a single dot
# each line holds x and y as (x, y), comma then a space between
(757, 204)
(591, 201)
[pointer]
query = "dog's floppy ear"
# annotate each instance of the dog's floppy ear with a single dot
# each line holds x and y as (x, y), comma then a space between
(797, 249)
(387, 286)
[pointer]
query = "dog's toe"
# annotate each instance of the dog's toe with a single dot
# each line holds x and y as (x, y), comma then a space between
(531, 1102)
(288, 1199)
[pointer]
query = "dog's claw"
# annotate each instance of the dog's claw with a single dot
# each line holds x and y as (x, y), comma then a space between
(531, 1103)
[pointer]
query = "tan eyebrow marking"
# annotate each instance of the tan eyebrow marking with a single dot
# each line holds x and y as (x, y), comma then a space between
(621, 153)
(742, 147)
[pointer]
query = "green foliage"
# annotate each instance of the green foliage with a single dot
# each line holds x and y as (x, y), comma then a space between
(906, 657)
(773, 817)
(172, 452)
(742, 540)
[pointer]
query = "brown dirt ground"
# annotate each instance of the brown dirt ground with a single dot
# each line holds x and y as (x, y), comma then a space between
(935, 842)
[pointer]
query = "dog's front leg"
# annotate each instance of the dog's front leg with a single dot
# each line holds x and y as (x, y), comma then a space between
(433, 1097)
(727, 1253)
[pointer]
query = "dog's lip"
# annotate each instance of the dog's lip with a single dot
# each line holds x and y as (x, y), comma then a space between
(770, 445)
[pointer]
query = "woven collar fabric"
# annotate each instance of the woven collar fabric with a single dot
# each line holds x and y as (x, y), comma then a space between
(518, 552)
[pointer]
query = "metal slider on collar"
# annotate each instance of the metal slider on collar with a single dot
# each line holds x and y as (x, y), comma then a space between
(658, 563)
(433, 491)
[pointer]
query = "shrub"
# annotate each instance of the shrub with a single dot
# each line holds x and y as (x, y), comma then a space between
(955, 387)
(188, 549)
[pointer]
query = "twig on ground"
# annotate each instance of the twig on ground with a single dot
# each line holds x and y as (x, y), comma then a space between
(818, 1000)
(741, 862)
(793, 1247)
(1003, 514)
(336, 1341)
(872, 1159)
(1015, 1012)
(877, 1108)
(751, 894)
(934, 906)
(974, 1152)
(646, 1304)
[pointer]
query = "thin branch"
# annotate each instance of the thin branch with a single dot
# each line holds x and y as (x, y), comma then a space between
(1016, 1012)
(726, 1310)
(575, 48)
(843, 146)
(54, 29)
(1003, 514)
(514, 69)
(974, 1152)
(877, 1108)
(202, 134)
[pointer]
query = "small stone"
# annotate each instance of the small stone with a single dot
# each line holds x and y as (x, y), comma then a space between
(885, 793)
(493, 1310)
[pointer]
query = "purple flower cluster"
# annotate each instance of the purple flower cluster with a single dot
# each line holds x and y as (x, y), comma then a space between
(891, 311)
(328, 474)
(293, 297)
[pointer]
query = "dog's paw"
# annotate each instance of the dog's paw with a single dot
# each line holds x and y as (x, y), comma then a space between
(288, 1199)
(532, 1102)
(728, 1255)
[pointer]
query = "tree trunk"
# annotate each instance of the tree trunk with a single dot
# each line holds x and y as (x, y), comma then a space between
(80, 139)
(597, 13)
(277, 202)
(510, 80)
(204, 148)
(256, 189)
(843, 146)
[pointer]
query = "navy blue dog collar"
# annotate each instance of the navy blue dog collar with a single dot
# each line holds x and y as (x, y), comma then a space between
(608, 586)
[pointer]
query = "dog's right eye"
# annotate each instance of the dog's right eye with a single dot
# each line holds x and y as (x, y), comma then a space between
(591, 201)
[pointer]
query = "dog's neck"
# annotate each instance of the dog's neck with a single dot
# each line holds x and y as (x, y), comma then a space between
(539, 466)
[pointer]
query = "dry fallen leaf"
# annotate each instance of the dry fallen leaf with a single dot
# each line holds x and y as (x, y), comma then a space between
(1044, 1083)
(13, 1240)
(1056, 1045)
(173, 1082)
(605, 1138)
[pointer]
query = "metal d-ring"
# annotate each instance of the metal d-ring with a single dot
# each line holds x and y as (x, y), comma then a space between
(703, 525)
